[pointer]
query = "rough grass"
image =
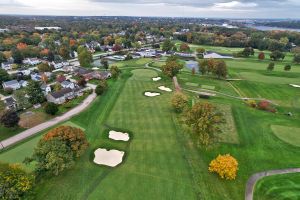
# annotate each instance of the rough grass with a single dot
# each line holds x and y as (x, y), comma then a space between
(290, 135)
(229, 133)
(208, 87)
(279, 187)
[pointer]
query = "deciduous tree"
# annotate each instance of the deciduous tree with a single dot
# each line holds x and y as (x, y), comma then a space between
(204, 120)
(101, 87)
(10, 119)
(171, 68)
(14, 181)
(51, 108)
(35, 92)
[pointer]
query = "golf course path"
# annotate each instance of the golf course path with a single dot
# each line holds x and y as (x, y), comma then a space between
(34, 130)
(255, 177)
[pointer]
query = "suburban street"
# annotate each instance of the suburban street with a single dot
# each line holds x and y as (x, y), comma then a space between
(34, 130)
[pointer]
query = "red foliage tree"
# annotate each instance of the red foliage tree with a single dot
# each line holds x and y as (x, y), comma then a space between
(261, 56)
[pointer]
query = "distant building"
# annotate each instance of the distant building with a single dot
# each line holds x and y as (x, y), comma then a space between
(10, 103)
(6, 66)
(31, 61)
(14, 84)
(68, 84)
(40, 28)
(46, 89)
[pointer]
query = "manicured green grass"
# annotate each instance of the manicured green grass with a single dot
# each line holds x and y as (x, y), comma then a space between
(290, 135)
(72, 124)
(279, 187)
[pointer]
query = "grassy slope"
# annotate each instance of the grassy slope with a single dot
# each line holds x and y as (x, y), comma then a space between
(279, 187)
(288, 134)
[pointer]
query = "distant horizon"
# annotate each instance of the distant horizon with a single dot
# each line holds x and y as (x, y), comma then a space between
(137, 16)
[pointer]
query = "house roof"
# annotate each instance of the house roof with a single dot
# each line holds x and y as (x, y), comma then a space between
(61, 93)
(9, 101)
(10, 83)
(66, 83)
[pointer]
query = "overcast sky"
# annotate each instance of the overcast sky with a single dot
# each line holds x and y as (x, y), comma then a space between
(172, 8)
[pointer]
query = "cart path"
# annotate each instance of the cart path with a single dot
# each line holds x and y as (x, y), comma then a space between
(256, 177)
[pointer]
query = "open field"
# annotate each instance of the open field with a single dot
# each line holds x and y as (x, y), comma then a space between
(161, 154)
(279, 187)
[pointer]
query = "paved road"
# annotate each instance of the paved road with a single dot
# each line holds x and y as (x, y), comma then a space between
(255, 177)
(34, 130)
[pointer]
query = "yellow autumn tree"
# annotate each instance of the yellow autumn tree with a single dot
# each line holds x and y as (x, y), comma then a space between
(224, 165)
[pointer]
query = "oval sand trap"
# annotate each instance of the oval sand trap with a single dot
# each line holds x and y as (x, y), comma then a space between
(294, 85)
(109, 158)
(156, 78)
(165, 88)
(151, 94)
(114, 135)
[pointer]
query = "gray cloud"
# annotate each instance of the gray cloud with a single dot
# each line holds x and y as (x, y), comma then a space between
(207, 3)
(11, 3)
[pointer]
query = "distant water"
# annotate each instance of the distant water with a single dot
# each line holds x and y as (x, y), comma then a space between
(271, 28)
(192, 64)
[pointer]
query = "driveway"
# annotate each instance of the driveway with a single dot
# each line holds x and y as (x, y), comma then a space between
(34, 130)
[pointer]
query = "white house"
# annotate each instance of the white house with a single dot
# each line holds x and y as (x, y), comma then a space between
(58, 65)
(23, 83)
(14, 84)
(25, 72)
(36, 77)
(6, 66)
(31, 61)
(68, 84)
(46, 89)
(41, 28)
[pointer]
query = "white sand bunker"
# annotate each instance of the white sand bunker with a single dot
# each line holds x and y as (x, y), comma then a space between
(156, 79)
(165, 88)
(114, 135)
(294, 85)
(109, 158)
(151, 94)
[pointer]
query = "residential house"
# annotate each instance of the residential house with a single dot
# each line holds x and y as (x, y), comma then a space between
(90, 74)
(68, 84)
(58, 65)
(25, 71)
(63, 95)
(36, 77)
(14, 84)
(31, 61)
(23, 83)
(6, 66)
(46, 89)
(10, 103)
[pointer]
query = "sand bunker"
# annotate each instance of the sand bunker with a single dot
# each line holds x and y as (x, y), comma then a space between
(294, 85)
(109, 158)
(151, 94)
(114, 135)
(156, 79)
(164, 88)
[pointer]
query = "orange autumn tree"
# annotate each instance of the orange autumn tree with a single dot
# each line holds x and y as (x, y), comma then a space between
(21, 46)
(71, 136)
(224, 165)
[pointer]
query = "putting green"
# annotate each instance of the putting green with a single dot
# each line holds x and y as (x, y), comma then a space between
(287, 134)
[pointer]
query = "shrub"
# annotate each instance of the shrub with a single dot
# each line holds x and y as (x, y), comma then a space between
(225, 166)
(179, 101)
(251, 103)
(287, 67)
(51, 108)
(271, 66)
(263, 105)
